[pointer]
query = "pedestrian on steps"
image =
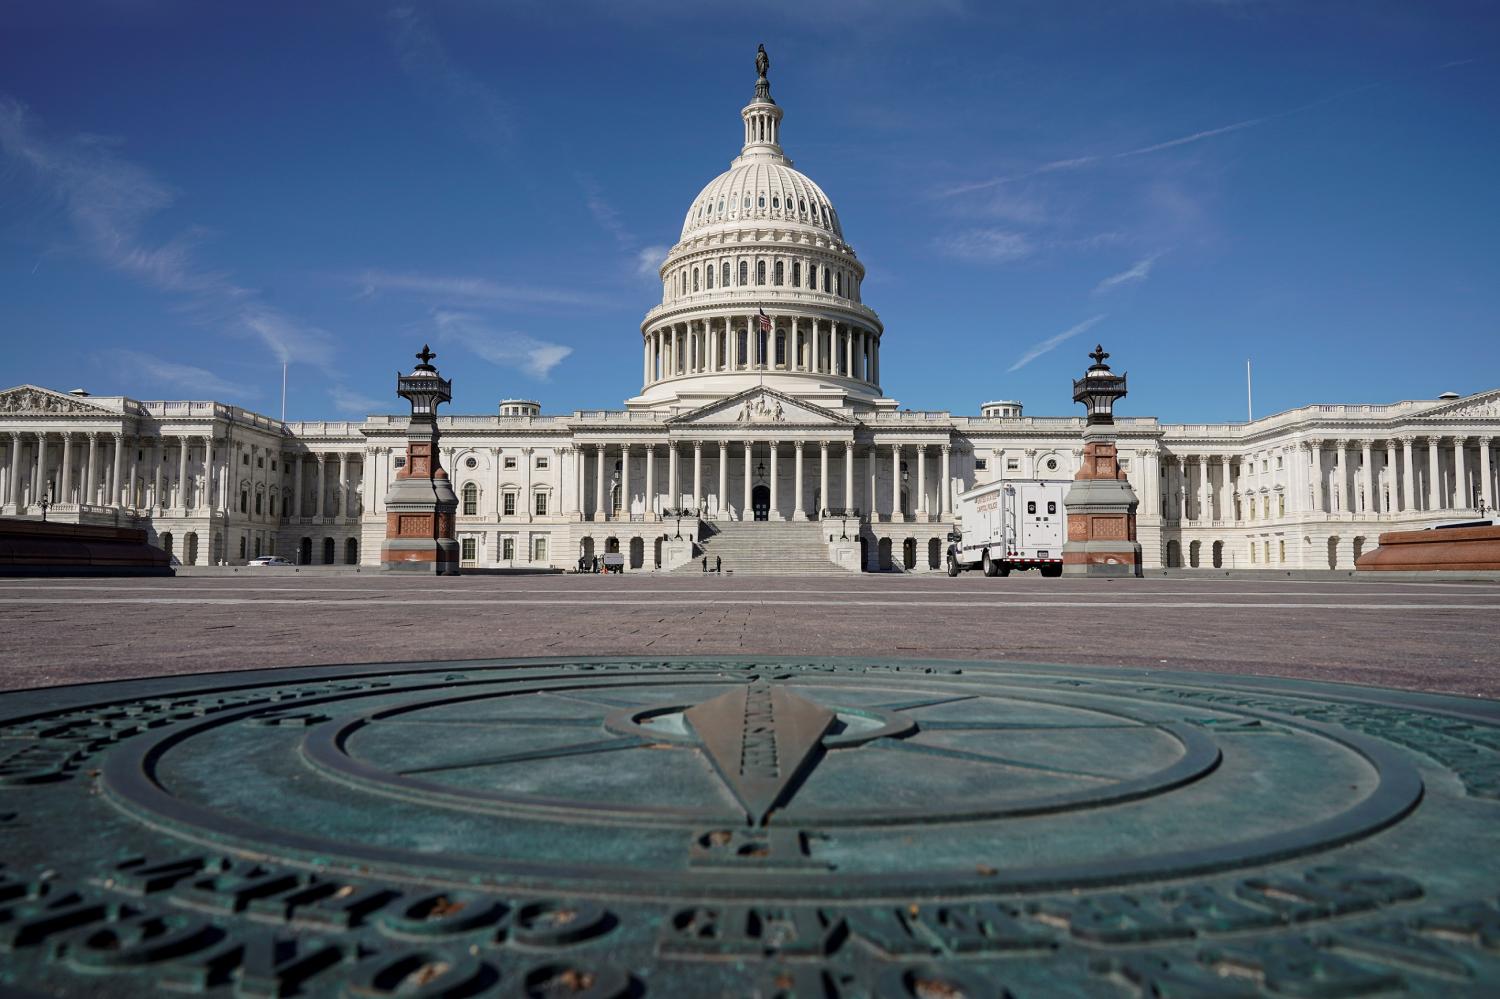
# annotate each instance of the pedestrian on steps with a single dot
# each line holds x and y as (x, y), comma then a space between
(705, 564)
(718, 564)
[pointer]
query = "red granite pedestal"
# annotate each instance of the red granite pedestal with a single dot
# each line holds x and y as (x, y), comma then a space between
(1445, 548)
(36, 548)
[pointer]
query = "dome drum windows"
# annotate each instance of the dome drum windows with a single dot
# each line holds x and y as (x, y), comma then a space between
(778, 274)
(708, 277)
(796, 274)
(695, 279)
(724, 282)
(744, 272)
(760, 272)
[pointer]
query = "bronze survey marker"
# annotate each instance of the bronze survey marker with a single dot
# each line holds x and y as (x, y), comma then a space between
(773, 827)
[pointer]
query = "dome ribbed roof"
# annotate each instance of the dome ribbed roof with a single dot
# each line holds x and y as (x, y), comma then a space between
(761, 190)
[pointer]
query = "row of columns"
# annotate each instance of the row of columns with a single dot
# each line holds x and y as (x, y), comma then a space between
(1410, 479)
(601, 510)
(112, 483)
(345, 499)
(697, 347)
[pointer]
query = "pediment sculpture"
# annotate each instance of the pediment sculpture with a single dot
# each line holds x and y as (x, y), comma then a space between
(29, 400)
(761, 411)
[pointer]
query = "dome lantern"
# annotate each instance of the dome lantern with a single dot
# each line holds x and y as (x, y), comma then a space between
(762, 117)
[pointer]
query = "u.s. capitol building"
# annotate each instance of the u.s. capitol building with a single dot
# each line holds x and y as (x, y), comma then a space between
(742, 420)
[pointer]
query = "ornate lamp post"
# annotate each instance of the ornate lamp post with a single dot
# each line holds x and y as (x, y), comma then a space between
(1101, 505)
(421, 505)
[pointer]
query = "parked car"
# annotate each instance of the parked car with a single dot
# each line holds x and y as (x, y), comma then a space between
(269, 560)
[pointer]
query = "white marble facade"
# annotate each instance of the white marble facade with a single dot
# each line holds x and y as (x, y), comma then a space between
(741, 417)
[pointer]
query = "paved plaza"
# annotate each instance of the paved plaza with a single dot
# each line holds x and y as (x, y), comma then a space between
(1419, 635)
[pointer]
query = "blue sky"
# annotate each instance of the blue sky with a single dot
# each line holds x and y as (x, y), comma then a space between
(190, 195)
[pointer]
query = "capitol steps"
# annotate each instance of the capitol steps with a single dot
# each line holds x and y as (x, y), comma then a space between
(767, 548)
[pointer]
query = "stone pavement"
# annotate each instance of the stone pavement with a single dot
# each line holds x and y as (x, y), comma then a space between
(1422, 635)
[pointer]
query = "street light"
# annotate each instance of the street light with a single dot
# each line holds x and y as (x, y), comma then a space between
(1098, 390)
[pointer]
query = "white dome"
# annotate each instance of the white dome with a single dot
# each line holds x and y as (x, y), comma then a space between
(761, 189)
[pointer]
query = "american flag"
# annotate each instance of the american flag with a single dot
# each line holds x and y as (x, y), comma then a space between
(765, 322)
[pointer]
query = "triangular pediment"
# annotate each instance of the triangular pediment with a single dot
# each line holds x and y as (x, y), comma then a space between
(761, 406)
(33, 400)
(1478, 405)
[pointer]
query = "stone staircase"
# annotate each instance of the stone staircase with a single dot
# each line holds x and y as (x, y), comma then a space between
(766, 548)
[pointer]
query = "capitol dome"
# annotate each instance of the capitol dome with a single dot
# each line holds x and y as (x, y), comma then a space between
(761, 288)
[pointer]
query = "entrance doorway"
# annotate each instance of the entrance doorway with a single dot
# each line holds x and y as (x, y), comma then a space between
(760, 502)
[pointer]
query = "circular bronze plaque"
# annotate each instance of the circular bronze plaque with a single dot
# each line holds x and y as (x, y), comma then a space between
(775, 827)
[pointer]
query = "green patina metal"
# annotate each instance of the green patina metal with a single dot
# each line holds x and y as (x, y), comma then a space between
(762, 826)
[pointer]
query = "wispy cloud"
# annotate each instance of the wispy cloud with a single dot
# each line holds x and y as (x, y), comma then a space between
(1138, 271)
(424, 59)
(473, 291)
(648, 260)
(986, 245)
(109, 201)
(507, 349)
(605, 213)
(1038, 349)
(1077, 162)
(346, 401)
(154, 371)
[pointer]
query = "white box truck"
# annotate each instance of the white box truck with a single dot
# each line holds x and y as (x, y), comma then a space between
(1010, 524)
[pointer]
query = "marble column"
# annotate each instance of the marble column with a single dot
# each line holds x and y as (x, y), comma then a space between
(896, 512)
(207, 499)
(745, 512)
(848, 477)
(1367, 478)
(722, 499)
(298, 503)
(824, 501)
(922, 482)
(15, 471)
(599, 495)
(1486, 480)
(1388, 495)
(65, 473)
(115, 471)
(182, 461)
(944, 484)
(798, 512)
(1408, 476)
(650, 504)
(1205, 501)
(319, 502)
(89, 492)
(39, 490)
(674, 478)
(343, 509)
(1316, 447)
(1460, 473)
(775, 513)
(697, 476)
(1434, 476)
(624, 481)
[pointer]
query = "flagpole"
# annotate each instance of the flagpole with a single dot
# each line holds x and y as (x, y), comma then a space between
(1249, 397)
(283, 391)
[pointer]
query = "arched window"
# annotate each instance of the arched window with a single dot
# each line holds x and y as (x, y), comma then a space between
(796, 274)
(760, 201)
(747, 201)
(802, 205)
(839, 283)
(721, 206)
(778, 274)
(775, 201)
(760, 272)
(257, 504)
(827, 285)
(695, 279)
(781, 348)
(812, 276)
(725, 281)
(471, 499)
(744, 272)
(708, 277)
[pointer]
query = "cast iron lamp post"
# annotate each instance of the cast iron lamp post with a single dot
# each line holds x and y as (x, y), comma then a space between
(1098, 390)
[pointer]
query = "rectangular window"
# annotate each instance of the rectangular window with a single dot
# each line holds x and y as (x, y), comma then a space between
(508, 549)
(1280, 505)
(542, 461)
(1278, 461)
(1252, 553)
(510, 461)
(509, 509)
(541, 504)
(400, 461)
(539, 550)
(471, 502)
(1281, 548)
(980, 464)
(1266, 548)
(1012, 464)
(1265, 506)
(466, 549)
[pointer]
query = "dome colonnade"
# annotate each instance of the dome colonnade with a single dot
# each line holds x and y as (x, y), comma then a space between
(761, 282)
